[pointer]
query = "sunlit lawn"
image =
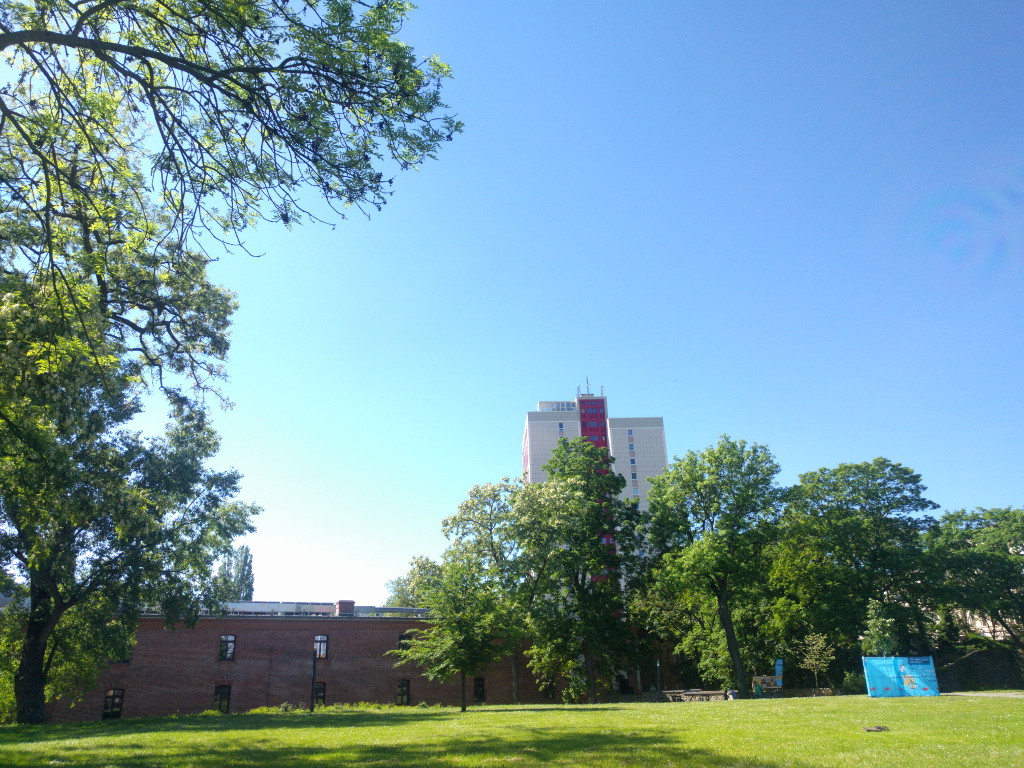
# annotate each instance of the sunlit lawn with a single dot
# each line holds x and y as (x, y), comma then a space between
(946, 731)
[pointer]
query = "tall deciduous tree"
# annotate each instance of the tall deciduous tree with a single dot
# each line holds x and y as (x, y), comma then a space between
(462, 635)
(487, 524)
(850, 535)
(575, 529)
(412, 589)
(230, 110)
(707, 511)
(235, 576)
(94, 520)
(980, 562)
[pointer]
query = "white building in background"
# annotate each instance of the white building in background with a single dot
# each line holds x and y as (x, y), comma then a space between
(637, 443)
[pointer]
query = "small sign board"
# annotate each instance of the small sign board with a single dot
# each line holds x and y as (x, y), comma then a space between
(889, 676)
(766, 683)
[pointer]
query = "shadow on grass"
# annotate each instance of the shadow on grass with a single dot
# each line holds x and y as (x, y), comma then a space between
(218, 723)
(272, 740)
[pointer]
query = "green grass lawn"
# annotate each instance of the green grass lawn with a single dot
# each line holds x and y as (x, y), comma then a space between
(945, 731)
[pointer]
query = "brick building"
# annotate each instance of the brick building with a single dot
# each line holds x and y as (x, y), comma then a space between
(262, 654)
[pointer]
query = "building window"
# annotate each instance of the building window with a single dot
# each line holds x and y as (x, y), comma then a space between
(632, 476)
(403, 642)
(636, 491)
(402, 697)
(222, 698)
(479, 691)
(227, 648)
(632, 462)
(631, 446)
(319, 693)
(112, 703)
(320, 646)
(629, 432)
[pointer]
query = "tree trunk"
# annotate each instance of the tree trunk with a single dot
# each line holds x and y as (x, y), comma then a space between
(588, 666)
(725, 616)
(30, 678)
(1013, 635)
(462, 677)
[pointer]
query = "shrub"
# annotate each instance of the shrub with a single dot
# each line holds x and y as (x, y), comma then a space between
(854, 682)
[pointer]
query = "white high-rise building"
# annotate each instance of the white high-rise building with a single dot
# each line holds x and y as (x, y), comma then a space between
(636, 444)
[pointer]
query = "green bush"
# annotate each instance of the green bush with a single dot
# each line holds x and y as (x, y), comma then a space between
(854, 682)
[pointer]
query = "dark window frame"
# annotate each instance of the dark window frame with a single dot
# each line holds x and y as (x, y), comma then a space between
(227, 648)
(320, 693)
(113, 702)
(320, 646)
(222, 698)
(403, 696)
(479, 690)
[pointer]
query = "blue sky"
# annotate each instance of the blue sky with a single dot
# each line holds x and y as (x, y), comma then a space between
(799, 224)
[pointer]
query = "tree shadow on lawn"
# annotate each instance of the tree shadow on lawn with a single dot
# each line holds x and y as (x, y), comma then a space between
(527, 747)
(353, 718)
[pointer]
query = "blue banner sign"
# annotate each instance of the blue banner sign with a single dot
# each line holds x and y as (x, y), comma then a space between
(900, 676)
(778, 672)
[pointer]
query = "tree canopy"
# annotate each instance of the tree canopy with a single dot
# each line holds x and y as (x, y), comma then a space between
(130, 131)
(238, 105)
(462, 634)
(708, 512)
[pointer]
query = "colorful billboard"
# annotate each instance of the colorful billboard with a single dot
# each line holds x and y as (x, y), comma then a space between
(900, 676)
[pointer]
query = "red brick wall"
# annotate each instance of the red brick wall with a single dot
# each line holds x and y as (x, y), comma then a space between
(176, 671)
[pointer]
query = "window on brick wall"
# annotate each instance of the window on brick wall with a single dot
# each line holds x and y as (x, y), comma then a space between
(479, 690)
(320, 646)
(402, 696)
(319, 693)
(222, 698)
(403, 641)
(112, 702)
(227, 648)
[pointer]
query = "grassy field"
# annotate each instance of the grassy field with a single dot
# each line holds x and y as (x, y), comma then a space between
(945, 731)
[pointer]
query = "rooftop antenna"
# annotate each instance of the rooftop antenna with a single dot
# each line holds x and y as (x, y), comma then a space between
(577, 391)
(588, 385)
(602, 390)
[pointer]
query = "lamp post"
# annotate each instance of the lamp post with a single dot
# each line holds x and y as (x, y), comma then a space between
(312, 685)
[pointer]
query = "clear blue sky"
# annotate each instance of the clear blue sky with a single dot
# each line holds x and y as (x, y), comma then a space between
(800, 224)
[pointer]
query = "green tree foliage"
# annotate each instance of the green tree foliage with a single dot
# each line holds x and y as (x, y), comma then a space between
(412, 589)
(706, 533)
(238, 104)
(502, 540)
(851, 535)
(94, 520)
(816, 654)
(229, 110)
(881, 634)
(979, 559)
(580, 538)
(462, 636)
(235, 576)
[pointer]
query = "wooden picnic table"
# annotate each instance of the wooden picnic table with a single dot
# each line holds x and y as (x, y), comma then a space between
(694, 694)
